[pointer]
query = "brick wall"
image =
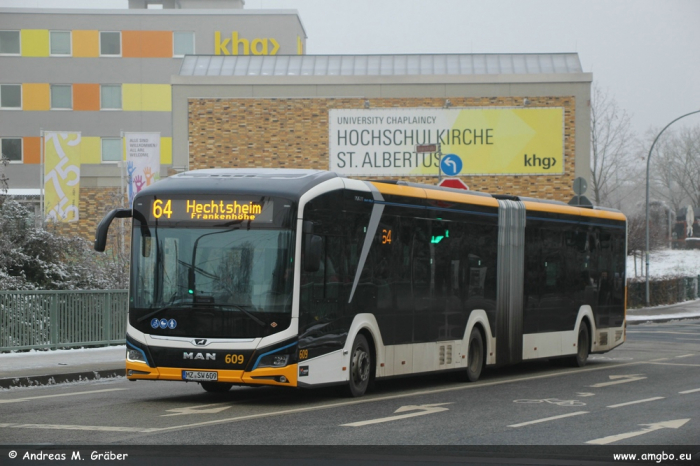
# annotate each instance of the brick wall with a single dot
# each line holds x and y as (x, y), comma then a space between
(293, 133)
(94, 204)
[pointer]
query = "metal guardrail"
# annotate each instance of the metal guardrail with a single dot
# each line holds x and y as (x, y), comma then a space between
(62, 319)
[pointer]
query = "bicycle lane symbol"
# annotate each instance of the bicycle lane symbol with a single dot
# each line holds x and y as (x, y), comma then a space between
(553, 401)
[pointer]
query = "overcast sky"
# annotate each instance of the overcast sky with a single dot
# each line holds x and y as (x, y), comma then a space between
(646, 53)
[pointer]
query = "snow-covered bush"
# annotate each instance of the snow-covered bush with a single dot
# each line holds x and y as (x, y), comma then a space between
(33, 258)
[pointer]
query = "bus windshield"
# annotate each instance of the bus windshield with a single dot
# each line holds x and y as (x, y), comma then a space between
(234, 282)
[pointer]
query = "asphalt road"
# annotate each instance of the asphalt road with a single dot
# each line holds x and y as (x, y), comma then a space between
(646, 392)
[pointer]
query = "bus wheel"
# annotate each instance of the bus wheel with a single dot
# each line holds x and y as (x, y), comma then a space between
(583, 346)
(360, 363)
(476, 355)
(216, 387)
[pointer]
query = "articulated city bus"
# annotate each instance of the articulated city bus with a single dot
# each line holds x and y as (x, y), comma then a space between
(303, 278)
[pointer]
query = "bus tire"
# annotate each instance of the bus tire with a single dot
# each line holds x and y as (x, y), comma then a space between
(583, 346)
(216, 387)
(360, 364)
(475, 357)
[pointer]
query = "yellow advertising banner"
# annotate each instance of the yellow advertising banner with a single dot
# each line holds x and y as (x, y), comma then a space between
(61, 176)
(468, 141)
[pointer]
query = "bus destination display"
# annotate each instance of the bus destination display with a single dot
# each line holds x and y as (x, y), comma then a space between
(208, 209)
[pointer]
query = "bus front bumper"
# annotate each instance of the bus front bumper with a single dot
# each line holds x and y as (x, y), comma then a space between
(282, 376)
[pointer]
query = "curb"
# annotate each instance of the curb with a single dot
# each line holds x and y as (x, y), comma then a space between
(660, 321)
(38, 380)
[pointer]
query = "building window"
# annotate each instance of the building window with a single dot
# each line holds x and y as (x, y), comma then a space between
(12, 149)
(11, 96)
(111, 96)
(61, 97)
(110, 44)
(111, 149)
(183, 44)
(9, 43)
(60, 43)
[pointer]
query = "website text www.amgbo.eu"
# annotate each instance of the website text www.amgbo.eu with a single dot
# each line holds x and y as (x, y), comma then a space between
(653, 457)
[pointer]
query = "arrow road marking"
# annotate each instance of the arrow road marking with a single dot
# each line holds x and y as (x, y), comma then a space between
(690, 391)
(583, 394)
(196, 410)
(618, 379)
(650, 428)
(421, 411)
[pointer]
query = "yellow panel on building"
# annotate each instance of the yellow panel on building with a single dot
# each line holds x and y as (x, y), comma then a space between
(86, 43)
(91, 150)
(146, 97)
(35, 42)
(36, 96)
(166, 151)
(156, 98)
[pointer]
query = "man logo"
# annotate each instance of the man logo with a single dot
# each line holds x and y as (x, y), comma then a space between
(200, 356)
(200, 342)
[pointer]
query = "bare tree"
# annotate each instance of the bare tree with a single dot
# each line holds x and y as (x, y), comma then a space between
(676, 168)
(611, 135)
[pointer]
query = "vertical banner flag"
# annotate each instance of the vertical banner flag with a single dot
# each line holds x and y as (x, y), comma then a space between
(142, 161)
(61, 176)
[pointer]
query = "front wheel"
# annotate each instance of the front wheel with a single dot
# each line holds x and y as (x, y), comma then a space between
(584, 347)
(360, 364)
(216, 387)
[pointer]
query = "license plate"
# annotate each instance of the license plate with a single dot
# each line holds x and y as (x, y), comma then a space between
(200, 375)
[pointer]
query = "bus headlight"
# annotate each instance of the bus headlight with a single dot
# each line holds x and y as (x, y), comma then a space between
(133, 355)
(274, 360)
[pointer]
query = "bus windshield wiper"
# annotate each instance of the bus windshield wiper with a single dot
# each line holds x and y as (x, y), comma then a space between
(236, 307)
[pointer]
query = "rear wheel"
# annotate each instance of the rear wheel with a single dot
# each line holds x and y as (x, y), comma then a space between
(475, 355)
(360, 364)
(583, 345)
(216, 387)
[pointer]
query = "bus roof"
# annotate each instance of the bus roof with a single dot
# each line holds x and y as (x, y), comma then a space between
(293, 183)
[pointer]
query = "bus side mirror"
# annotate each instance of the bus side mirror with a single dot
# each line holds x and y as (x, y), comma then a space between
(313, 250)
(103, 227)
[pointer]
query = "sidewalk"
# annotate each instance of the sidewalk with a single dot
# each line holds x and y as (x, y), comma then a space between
(49, 367)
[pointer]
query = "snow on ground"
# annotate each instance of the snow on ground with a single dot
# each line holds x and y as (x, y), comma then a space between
(667, 262)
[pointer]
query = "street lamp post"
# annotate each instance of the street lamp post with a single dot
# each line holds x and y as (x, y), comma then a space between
(647, 198)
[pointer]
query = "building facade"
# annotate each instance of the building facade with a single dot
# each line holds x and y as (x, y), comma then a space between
(519, 123)
(227, 87)
(106, 72)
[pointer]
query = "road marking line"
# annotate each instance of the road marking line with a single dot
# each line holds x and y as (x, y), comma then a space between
(577, 413)
(635, 402)
(673, 364)
(75, 427)
(660, 359)
(687, 339)
(18, 400)
(690, 391)
(685, 356)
